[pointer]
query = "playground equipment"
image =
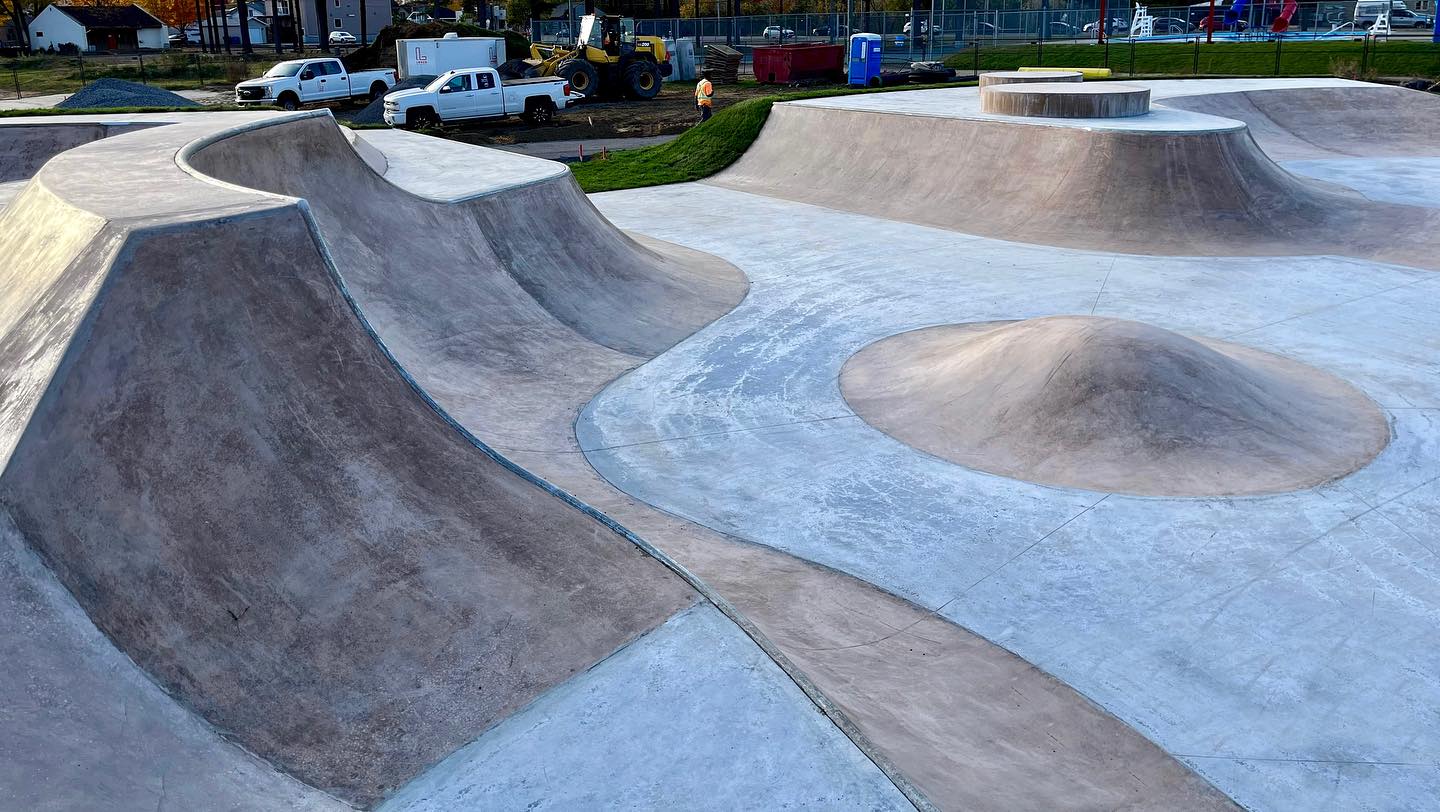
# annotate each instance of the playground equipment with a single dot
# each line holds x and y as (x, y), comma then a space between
(1235, 12)
(1282, 20)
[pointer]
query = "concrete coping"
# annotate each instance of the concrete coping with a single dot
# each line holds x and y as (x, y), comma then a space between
(1066, 100)
(1010, 77)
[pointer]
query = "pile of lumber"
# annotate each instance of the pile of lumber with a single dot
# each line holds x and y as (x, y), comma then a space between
(723, 63)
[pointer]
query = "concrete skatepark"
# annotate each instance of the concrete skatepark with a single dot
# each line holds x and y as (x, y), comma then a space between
(372, 470)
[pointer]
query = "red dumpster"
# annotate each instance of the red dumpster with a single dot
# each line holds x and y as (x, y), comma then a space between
(782, 64)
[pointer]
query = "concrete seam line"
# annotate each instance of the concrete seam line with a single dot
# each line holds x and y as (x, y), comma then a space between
(811, 691)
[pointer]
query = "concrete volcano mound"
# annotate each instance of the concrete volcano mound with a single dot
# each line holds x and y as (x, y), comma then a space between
(1111, 405)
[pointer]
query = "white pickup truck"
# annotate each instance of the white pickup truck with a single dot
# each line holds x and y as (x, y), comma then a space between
(477, 93)
(313, 81)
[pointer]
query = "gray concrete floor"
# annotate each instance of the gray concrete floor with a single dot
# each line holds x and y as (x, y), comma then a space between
(1285, 647)
(691, 716)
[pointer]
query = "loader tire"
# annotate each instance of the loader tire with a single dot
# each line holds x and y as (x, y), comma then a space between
(581, 75)
(642, 80)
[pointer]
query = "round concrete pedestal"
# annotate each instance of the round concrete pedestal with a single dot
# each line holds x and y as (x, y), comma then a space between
(1066, 100)
(1015, 77)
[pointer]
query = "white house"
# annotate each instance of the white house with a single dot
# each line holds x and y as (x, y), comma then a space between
(97, 28)
(259, 19)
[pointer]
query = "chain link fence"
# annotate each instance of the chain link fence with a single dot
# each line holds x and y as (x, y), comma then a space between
(943, 34)
(43, 75)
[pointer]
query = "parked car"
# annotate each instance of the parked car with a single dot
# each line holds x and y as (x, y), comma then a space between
(1117, 25)
(478, 93)
(1172, 25)
(1063, 30)
(1202, 22)
(1405, 18)
(984, 30)
(418, 17)
(179, 40)
(775, 32)
(296, 82)
(342, 38)
(924, 28)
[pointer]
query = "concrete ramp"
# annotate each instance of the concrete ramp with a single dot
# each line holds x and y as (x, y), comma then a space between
(1353, 120)
(539, 253)
(1170, 182)
(246, 494)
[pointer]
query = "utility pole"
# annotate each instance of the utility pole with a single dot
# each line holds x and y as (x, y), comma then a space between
(363, 29)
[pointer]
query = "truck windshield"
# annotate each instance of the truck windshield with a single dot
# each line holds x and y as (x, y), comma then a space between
(284, 69)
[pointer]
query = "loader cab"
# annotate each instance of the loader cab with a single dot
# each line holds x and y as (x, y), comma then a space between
(612, 34)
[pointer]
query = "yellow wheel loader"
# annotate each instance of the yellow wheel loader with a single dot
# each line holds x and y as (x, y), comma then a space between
(607, 59)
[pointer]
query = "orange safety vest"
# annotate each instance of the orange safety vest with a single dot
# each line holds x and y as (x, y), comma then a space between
(703, 92)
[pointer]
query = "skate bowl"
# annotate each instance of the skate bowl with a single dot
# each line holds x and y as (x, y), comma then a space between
(1360, 120)
(1167, 183)
(1116, 406)
(242, 485)
(25, 148)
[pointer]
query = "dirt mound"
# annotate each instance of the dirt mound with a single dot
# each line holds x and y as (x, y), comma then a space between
(381, 52)
(1112, 405)
(120, 93)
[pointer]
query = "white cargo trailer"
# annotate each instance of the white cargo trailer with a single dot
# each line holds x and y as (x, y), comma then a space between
(432, 57)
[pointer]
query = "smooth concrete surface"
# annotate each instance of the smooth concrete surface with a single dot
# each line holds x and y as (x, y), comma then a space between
(1412, 181)
(196, 449)
(1066, 100)
(1284, 641)
(448, 171)
(1114, 406)
(81, 727)
(1300, 119)
(932, 698)
(623, 736)
(222, 219)
(1117, 187)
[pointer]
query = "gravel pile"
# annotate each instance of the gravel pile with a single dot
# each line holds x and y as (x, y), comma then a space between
(119, 93)
(374, 112)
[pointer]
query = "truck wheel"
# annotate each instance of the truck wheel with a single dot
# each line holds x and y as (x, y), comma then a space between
(581, 75)
(539, 111)
(420, 120)
(642, 80)
(377, 90)
(288, 101)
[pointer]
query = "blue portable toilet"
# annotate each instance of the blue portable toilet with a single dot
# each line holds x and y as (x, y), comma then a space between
(865, 60)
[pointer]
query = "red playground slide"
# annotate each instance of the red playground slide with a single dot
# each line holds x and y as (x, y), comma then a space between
(1282, 20)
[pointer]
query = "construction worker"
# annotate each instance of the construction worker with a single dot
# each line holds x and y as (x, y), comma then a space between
(704, 96)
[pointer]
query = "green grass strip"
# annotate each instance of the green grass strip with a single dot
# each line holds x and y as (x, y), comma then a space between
(702, 150)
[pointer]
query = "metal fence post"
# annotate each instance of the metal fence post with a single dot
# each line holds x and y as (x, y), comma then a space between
(977, 58)
(80, 57)
(1277, 55)
(15, 74)
(1364, 56)
(1195, 68)
(142, 70)
(1107, 52)
(1132, 57)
